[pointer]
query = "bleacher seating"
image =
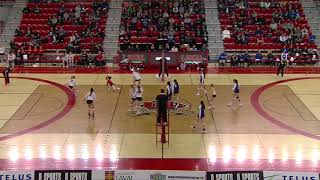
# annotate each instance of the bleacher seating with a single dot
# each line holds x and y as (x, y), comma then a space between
(249, 24)
(155, 25)
(235, 14)
(93, 18)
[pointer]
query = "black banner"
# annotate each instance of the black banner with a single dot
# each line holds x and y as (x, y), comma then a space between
(63, 175)
(235, 175)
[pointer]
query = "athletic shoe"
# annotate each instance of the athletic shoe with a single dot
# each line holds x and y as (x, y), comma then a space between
(203, 130)
(193, 127)
(229, 104)
(240, 105)
(197, 94)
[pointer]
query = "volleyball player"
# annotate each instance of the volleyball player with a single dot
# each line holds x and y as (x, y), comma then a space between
(111, 85)
(72, 83)
(236, 91)
(201, 115)
(138, 94)
(136, 76)
(176, 90)
(169, 90)
(90, 98)
(213, 96)
(133, 98)
(201, 83)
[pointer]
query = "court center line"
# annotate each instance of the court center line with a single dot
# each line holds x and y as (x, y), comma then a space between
(212, 117)
(115, 108)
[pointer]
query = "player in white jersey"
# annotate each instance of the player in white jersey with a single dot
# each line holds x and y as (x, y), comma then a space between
(90, 98)
(213, 96)
(236, 94)
(133, 97)
(201, 82)
(136, 76)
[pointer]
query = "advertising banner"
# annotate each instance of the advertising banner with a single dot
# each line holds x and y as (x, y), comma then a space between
(235, 175)
(284, 175)
(149, 175)
(63, 175)
(176, 175)
(16, 175)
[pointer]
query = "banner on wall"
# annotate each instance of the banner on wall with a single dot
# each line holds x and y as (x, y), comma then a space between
(285, 175)
(235, 175)
(16, 175)
(149, 175)
(177, 175)
(63, 175)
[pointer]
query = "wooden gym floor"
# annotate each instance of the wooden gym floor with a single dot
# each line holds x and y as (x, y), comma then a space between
(39, 120)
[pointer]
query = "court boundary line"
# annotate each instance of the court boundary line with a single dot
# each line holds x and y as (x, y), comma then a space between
(296, 109)
(266, 116)
(303, 103)
(67, 108)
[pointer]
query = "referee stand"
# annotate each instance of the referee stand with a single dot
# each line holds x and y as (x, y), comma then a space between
(162, 134)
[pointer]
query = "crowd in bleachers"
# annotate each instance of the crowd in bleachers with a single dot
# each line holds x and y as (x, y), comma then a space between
(58, 26)
(289, 56)
(175, 25)
(268, 24)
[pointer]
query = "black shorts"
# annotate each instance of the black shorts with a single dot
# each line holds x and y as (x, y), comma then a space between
(133, 99)
(139, 98)
(71, 87)
(137, 80)
(214, 95)
(89, 101)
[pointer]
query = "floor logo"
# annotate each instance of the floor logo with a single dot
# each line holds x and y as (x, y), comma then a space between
(179, 108)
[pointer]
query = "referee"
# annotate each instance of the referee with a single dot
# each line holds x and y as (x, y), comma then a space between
(281, 68)
(162, 103)
(5, 73)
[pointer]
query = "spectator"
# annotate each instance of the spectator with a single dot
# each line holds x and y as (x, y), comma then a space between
(11, 59)
(312, 38)
(225, 34)
(36, 10)
(26, 10)
(283, 38)
(258, 57)
(71, 59)
(84, 61)
(53, 22)
(270, 56)
(61, 34)
(18, 32)
(222, 58)
(304, 32)
(100, 59)
(273, 26)
(284, 56)
(2, 51)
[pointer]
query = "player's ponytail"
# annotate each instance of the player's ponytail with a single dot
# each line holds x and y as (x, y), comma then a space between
(202, 104)
(91, 91)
